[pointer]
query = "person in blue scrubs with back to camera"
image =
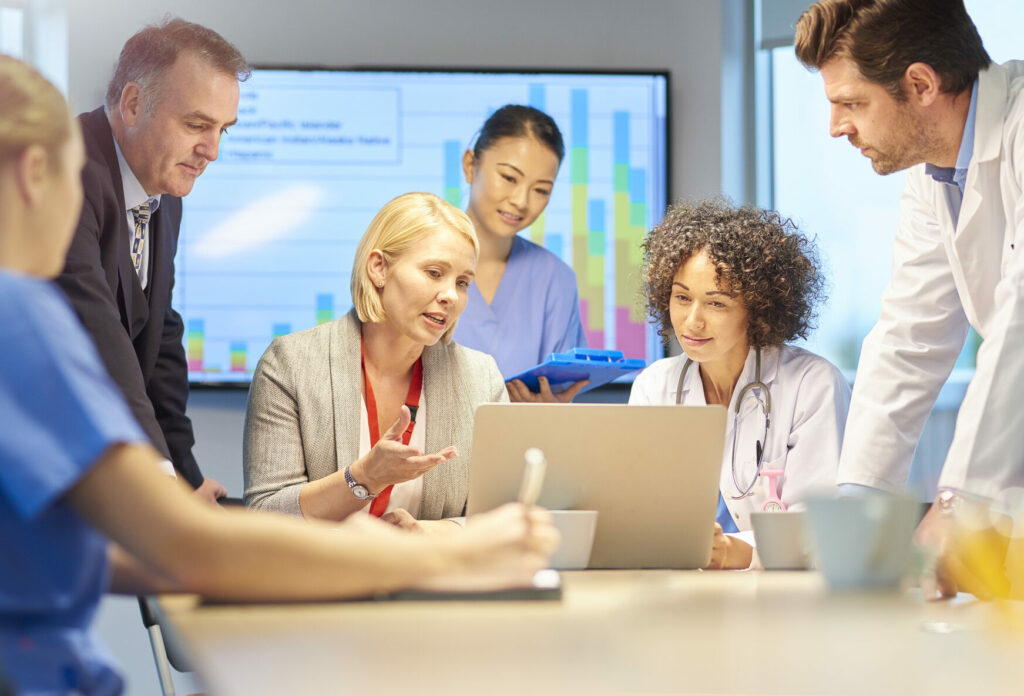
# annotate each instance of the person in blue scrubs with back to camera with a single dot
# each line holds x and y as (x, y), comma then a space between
(735, 286)
(84, 505)
(523, 303)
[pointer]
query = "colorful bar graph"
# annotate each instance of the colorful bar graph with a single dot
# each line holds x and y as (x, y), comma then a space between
(596, 228)
(555, 244)
(453, 172)
(324, 308)
(638, 198)
(194, 347)
(538, 100)
(609, 192)
(238, 356)
(537, 230)
(629, 188)
(630, 335)
(538, 96)
(589, 267)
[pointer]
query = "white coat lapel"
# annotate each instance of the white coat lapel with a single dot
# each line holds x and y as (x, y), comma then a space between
(978, 239)
(693, 388)
(770, 356)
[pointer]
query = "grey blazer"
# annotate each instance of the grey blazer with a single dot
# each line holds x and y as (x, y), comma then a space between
(302, 421)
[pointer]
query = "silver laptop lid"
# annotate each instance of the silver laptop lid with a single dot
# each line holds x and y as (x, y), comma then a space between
(652, 472)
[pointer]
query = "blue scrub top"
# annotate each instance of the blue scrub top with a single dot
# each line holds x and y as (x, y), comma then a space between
(60, 413)
(535, 311)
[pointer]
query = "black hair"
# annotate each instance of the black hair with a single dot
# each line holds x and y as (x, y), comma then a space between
(517, 121)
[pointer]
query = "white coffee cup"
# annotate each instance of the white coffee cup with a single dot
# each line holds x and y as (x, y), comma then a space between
(864, 542)
(781, 541)
(577, 528)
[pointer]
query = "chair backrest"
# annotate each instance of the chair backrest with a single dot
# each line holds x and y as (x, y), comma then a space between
(166, 651)
(5, 688)
(178, 660)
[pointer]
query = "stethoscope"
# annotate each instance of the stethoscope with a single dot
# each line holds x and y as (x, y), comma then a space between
(773, 502)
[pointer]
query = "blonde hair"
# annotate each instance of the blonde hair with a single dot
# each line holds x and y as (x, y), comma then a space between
(399, 225)
(32, 111)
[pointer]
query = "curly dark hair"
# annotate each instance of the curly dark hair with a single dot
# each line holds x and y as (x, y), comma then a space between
(757, 254)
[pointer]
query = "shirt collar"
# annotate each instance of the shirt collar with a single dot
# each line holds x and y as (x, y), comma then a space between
(958, 173)
(134, 194)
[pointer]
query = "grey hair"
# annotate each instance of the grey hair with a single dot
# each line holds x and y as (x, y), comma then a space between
(151, 52)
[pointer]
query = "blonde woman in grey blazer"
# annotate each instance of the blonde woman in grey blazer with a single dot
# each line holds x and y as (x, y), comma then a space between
(303, 423)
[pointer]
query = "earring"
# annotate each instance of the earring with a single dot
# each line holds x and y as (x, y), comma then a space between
(380, 283)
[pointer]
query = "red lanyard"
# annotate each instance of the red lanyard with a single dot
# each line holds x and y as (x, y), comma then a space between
(380, 504)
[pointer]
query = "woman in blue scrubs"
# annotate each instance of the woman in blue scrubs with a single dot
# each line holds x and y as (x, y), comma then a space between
(523, 303)
(84, 506)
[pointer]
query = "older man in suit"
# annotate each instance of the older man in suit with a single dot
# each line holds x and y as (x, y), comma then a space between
(174, 92)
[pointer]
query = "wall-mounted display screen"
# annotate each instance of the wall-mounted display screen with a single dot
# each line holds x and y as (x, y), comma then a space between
(270, 229)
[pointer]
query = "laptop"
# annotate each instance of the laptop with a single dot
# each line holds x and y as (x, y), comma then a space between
(651, 472)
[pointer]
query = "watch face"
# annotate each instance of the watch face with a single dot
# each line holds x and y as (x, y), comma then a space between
(360, 491)
(948, 502)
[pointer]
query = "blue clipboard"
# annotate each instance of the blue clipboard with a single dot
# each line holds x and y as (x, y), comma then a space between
(565, 369)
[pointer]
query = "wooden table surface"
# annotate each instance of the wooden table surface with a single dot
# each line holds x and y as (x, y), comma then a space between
(648, 632)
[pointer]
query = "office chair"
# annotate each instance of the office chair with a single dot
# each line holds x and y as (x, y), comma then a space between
(166, 656)
(5, 688)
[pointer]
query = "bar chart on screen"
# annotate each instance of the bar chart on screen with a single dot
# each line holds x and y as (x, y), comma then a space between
(269, 233)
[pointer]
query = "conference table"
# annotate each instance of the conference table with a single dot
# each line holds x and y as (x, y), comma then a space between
(614, 631)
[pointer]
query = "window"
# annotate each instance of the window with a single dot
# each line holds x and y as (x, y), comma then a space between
(12, 30)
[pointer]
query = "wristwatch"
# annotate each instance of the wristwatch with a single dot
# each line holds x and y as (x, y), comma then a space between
(360, 491)
(947, 502)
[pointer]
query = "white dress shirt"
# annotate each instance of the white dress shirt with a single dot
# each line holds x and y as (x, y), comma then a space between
(135, 195)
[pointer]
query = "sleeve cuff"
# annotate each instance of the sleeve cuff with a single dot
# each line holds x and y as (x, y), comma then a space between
(857, 490)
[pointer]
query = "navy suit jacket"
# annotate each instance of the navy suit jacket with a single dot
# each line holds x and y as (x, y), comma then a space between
(137, 333)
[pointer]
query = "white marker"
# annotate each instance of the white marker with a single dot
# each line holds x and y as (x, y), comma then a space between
(533, 476)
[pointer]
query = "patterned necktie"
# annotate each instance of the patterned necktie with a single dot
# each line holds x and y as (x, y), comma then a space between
(141, 215)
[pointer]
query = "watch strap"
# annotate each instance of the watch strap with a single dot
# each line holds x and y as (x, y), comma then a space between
(353, 484)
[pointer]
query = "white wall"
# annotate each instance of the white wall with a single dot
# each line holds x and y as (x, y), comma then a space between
(680, 35)
(683, 36)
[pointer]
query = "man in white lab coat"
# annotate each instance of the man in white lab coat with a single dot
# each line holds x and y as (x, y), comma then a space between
(912, 86)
